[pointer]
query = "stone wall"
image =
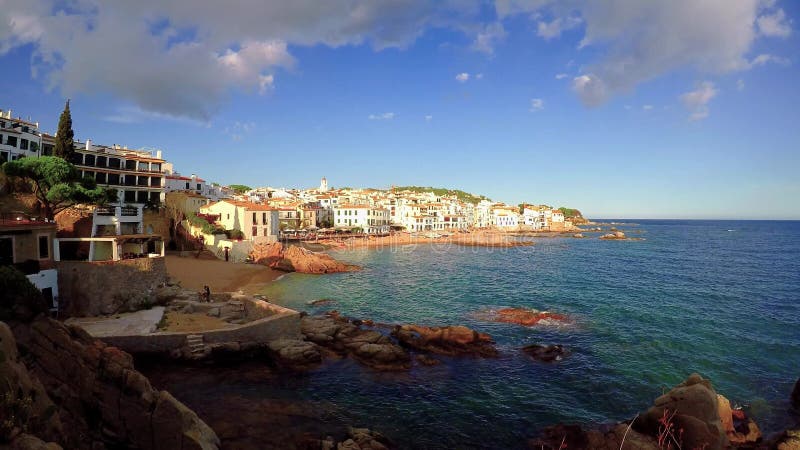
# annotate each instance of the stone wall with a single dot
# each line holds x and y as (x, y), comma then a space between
(109, 287)
(278, 323)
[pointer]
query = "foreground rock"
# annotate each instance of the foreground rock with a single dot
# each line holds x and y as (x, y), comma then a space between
(529, 317)
(795, 399)
(297, 259)
(356, 439)
(545, 353)
(450, 340)
(99, 398)
(295, 354)
(690, 416)
(369, 347)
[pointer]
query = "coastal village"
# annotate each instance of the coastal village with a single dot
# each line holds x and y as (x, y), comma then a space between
(170, 267)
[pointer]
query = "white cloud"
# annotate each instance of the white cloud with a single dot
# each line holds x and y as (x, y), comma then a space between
(384, 116)
(428, 118)
(775, 24)
(183, 58)
(634, 41)
(766, 58)
(463, 77)
(556, 27)
(696, 101)
(238, 130)
(591, 89)
(537, 104)
(489, 37)
(561, 76)
(647, 107)
(740, 85)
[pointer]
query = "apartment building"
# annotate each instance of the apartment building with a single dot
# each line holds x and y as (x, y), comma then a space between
(18, 137)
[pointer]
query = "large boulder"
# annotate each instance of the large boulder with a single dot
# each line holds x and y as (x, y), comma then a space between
(449, 340)
(740, 429)
(100, 398)
(688, 413)
(297, 259)
(545, 353)
(295, 354)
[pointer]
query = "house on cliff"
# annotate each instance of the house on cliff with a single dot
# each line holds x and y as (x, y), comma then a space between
(26, 243)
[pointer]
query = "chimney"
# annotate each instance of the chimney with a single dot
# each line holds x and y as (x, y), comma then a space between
(159, 154)
(8, 115)
(88, 144)
(194, 177)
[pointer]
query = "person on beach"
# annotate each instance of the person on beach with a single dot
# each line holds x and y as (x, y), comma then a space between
(207, 293)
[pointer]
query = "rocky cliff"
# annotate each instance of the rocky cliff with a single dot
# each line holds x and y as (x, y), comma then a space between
(68, 388)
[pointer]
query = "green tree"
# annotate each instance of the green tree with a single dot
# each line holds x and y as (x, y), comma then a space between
(56, 184)
(65, 137)
(240, 188)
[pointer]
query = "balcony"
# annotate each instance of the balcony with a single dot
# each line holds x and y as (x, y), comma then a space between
(129, 211)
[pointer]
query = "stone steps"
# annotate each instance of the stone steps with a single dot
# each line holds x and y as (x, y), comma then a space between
(195, 343)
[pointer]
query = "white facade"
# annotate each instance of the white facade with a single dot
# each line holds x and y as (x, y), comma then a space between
(18, 137)
(370, 220)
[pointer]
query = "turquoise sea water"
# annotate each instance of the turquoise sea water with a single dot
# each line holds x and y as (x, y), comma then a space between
(721, 298)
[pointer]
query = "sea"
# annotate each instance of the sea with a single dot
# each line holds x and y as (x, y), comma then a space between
(720, 298)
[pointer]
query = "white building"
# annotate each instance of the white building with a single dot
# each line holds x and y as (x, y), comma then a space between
(371, 220)
(505, 217)
(18, 137)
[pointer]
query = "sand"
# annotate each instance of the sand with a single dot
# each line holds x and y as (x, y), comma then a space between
(220, 276)
(184, 322)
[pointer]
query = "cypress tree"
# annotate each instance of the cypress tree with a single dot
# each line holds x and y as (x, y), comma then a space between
(65, 142)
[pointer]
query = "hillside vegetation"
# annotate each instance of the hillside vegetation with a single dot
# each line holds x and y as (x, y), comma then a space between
(461, 195)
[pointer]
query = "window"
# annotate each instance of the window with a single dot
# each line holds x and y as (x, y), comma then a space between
(155, 197)
(88, 160)
(113, 178)
(101, 161)
(156, 167)
(255, 220)
(12, 141)
(155, 181)
(114, 163)
(23, 144)
(142, 181)
(130, 164)
(6, 250)
(187, 185)
(264, 218)
(198, 186)
(255, 231)
(141, 197)
(44, 246)
(100, 177)
(144, 166)
(130, 196)
(76, 158)
(3, 157)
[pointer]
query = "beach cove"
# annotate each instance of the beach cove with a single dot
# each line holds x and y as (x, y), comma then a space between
(646, 314)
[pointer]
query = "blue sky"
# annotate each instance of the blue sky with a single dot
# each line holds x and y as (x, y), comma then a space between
(680, 111)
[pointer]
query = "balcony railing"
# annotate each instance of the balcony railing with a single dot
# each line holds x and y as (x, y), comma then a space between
(105, 211)
(129, 211)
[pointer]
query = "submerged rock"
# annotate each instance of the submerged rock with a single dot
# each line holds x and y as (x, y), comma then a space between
(449, 340)
(528, 317)
(545, 353)
(322, 302)
(295, 354)
(615, 437)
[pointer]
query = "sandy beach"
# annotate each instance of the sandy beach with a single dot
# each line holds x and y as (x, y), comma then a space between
(220, 276)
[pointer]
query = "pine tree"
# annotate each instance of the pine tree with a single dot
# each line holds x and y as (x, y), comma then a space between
(65, 142)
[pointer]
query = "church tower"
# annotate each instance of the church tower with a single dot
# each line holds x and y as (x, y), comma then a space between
(323, 185)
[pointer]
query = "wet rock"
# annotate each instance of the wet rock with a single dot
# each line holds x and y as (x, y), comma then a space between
(578, 235)
(691, 406)
(619, 235)
(528, 317)
(739, 428)
(356, 439)
(426, 360)
(30, 442)
(545, 353)
(213, 312)
(322, 301)
(449, 340)
(795, 399)
(788, 440)
(295, 354)
(615, 437)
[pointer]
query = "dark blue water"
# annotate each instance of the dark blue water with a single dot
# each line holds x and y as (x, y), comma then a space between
(715, 297)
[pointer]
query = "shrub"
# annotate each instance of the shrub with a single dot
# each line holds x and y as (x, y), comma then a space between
(19, 299)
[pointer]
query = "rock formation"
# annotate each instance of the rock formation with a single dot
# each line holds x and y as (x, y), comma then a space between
(98, 397)
(295, 354)
(528, 317)
(795, 399)
(545, 353)
(692, 409)
(450, 340)
(297, 259)
(369, 347)
(618, 235)
(739, 428)
(356, 439)
(616, 437)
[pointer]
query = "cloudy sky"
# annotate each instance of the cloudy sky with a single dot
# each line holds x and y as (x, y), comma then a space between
(622, 108)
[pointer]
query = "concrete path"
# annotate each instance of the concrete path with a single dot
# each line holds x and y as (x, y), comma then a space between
(126, 324)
